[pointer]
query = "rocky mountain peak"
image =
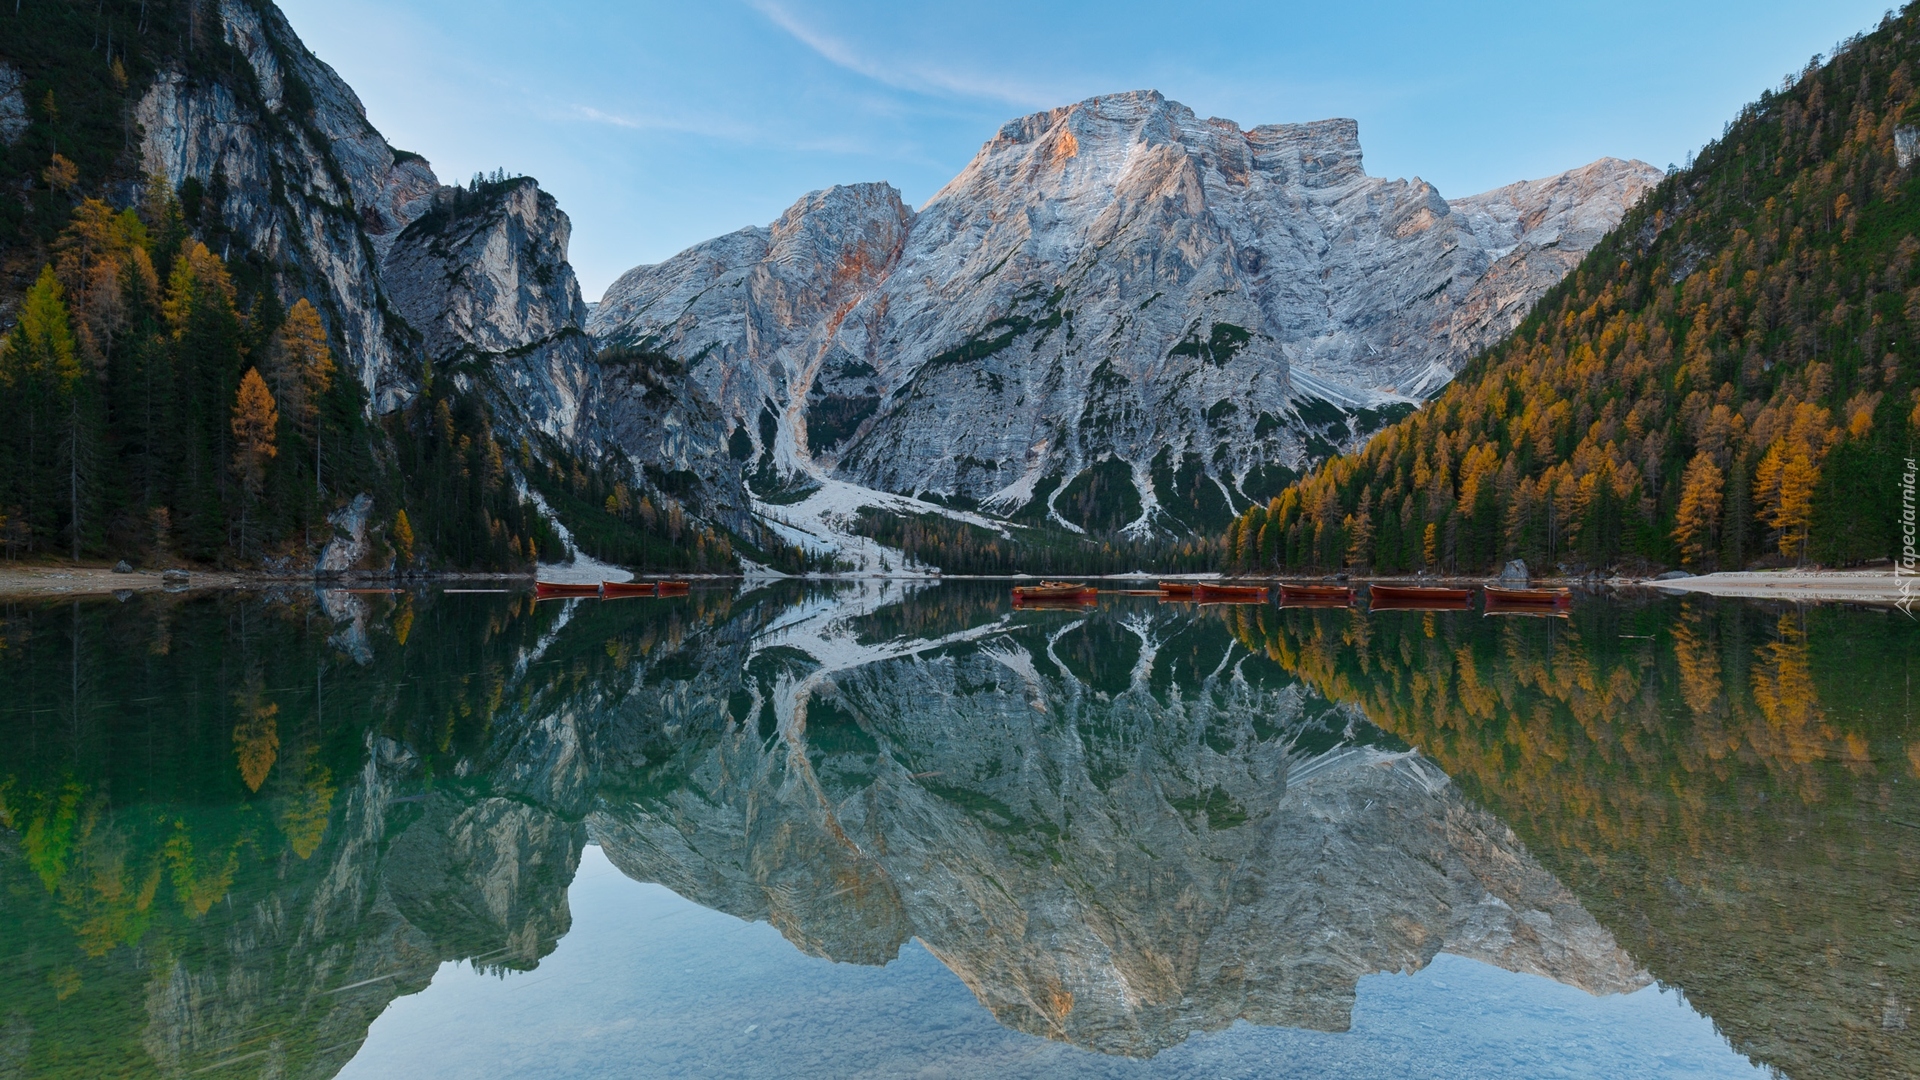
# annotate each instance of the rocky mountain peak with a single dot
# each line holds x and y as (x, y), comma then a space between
(1113, 296)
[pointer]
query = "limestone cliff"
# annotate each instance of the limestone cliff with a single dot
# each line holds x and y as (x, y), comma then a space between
(483, 277)
(299, 179)
(1117, 281)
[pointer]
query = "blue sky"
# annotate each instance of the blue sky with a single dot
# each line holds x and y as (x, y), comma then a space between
(660, 124)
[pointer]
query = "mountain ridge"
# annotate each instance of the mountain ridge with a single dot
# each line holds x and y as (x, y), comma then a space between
(1013, 333)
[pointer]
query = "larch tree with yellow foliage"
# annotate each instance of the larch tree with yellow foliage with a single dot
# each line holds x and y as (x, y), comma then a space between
(1697, 522)
(256, 423)
(1783, 489)
(402, 540)
(300, 369)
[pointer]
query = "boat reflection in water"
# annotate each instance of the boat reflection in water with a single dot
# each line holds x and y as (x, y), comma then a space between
(240, 827)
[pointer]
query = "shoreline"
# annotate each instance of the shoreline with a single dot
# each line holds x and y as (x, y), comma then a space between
(1819, 586)
(1875, 586)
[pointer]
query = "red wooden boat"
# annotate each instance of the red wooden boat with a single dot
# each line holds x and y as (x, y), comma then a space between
(1229, 594)
(1069, 592)
(1315, 594)
(1418, 598)
(1177, 590)
(673, 588)
(612, 590)
(1528, 598)
(552, 590)
(1526, 611)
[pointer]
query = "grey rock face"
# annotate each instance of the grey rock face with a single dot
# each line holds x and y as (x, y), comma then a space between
(14, 120)
(1114, 280)
(308, 183)
(348, 545)
(483, 277)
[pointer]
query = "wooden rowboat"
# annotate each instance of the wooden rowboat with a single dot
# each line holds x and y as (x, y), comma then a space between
(1418, 598)
(1071, 592)
(614, 590)
(553, 590)
(1531, 598)
(1061, 603)
(1053, 590)
(1229, 594)
(1295, 594)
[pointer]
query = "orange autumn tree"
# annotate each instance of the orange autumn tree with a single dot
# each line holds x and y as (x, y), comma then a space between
(300, 369)
(255, 426)
(1697, 522)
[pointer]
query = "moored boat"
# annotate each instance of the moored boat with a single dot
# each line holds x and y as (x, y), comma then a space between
(1418, 598)
(1315, 594)
(612, 590)
(1071, 592)
(1229, 594)
(553, 590)
(673, 588)
(1498, 596)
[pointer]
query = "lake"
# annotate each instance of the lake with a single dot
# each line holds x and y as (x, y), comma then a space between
(888, 828)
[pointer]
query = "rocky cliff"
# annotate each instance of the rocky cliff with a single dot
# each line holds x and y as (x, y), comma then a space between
(483, 277)
(1115, 287)
(299, 180)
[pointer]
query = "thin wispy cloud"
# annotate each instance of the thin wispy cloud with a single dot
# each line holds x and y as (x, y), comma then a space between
(920, 78)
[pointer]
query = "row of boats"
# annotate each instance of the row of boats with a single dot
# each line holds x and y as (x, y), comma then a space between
(1379, 597)
(608, 590)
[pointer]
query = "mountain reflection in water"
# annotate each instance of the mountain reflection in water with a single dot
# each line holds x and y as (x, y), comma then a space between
(238, 827)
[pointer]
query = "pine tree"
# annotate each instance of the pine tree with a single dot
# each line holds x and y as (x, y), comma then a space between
(40, 370)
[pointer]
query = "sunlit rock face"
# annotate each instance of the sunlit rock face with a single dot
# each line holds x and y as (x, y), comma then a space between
(1115, 834)
(1113, 280)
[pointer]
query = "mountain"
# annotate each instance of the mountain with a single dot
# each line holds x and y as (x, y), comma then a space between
(1118, 316)
(200, 198)
(1729, 377)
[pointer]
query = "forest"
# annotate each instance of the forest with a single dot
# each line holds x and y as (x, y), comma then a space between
(1727, 380)
(175, 416)
(170, 397)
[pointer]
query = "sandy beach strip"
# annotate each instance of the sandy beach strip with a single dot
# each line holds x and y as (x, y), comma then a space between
(42, 581)
(1874, 586)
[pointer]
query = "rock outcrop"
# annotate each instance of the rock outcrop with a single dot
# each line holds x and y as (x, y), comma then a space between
(483, 277)
(1197, 308)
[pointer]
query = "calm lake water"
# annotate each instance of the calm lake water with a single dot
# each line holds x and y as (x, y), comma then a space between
(883, 829)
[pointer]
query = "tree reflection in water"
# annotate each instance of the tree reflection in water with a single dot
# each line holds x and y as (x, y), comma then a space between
(238, 826)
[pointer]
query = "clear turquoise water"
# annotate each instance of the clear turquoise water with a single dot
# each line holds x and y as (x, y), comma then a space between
(881, 830)
(650, 984)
